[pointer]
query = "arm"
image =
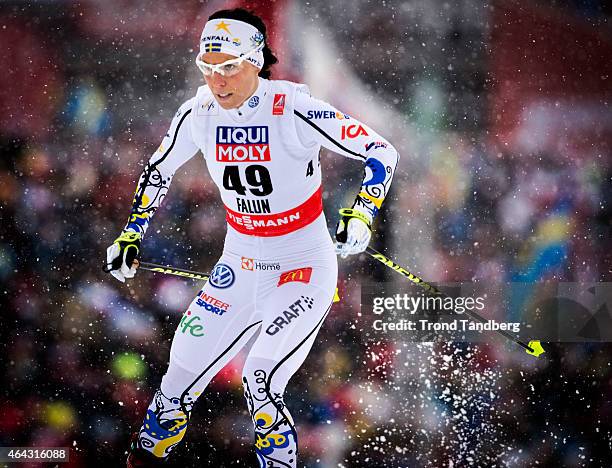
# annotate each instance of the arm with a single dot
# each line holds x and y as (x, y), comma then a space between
(176, 149)
(320, 123)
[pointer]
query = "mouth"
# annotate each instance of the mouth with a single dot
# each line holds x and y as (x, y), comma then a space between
(222, 97)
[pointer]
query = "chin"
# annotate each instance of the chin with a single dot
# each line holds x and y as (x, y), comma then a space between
(227, 105)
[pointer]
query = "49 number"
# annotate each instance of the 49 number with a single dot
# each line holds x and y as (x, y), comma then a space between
(257, 178)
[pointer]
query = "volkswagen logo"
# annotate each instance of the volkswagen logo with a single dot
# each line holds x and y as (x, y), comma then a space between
(254, 101)
(222, 276)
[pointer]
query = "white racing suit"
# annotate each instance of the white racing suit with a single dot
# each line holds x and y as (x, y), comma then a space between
(277, 275)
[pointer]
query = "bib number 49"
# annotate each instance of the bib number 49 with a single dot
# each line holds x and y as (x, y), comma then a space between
(257, 178)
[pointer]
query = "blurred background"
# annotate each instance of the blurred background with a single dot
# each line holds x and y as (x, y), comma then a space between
(501, 112)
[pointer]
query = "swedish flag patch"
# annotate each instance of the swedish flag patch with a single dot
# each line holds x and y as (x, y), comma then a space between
(213, 47)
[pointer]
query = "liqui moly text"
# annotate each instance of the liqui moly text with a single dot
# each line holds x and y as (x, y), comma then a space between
(242, 144)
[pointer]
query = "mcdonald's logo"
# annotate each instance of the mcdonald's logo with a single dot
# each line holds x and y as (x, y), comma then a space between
(300, 274)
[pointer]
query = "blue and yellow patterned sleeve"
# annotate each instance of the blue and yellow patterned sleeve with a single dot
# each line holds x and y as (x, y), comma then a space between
(321, 123)
(176, 149)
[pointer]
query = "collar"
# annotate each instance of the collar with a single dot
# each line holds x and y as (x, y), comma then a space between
(252, 104)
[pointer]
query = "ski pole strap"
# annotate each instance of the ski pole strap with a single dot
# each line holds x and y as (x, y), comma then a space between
(351, 213)
(346, 215)
(129, 236)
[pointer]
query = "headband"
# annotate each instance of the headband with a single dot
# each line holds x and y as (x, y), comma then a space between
(234, 38)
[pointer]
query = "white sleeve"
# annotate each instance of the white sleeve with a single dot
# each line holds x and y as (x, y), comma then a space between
(176, 148)
(320, 123)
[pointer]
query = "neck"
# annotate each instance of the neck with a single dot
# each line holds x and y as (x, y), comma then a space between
(254, 87)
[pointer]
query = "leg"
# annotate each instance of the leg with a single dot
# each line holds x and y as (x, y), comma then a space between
(166, 419)
(217, 324)
(294, 314)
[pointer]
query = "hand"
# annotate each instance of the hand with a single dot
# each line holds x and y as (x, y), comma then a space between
(353, 232)
(121, 256)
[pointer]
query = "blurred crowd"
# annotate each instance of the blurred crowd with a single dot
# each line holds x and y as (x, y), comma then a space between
(87, 93)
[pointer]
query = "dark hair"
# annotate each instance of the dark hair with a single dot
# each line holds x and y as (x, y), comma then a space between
(240, 14)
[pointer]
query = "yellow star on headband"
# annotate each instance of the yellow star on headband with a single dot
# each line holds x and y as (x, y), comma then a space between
(223, 25)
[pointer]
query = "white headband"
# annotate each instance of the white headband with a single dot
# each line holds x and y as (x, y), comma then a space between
(234, 38)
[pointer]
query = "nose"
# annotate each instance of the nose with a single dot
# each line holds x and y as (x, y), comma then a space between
(217, 80)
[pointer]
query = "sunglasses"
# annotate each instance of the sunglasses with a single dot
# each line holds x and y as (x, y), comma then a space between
(227, 68)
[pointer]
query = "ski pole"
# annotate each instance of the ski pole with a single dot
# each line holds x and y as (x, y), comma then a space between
(534, 347)
(196, 275)
(169, 270)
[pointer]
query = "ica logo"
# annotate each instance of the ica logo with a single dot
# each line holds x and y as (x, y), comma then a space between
(353, 131)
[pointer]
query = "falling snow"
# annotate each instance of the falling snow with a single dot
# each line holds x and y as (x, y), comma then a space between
(501, 113)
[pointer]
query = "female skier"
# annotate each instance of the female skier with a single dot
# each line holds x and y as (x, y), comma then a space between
(277, 274)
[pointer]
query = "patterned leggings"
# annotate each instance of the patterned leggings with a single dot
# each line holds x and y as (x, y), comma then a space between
(285, 317)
